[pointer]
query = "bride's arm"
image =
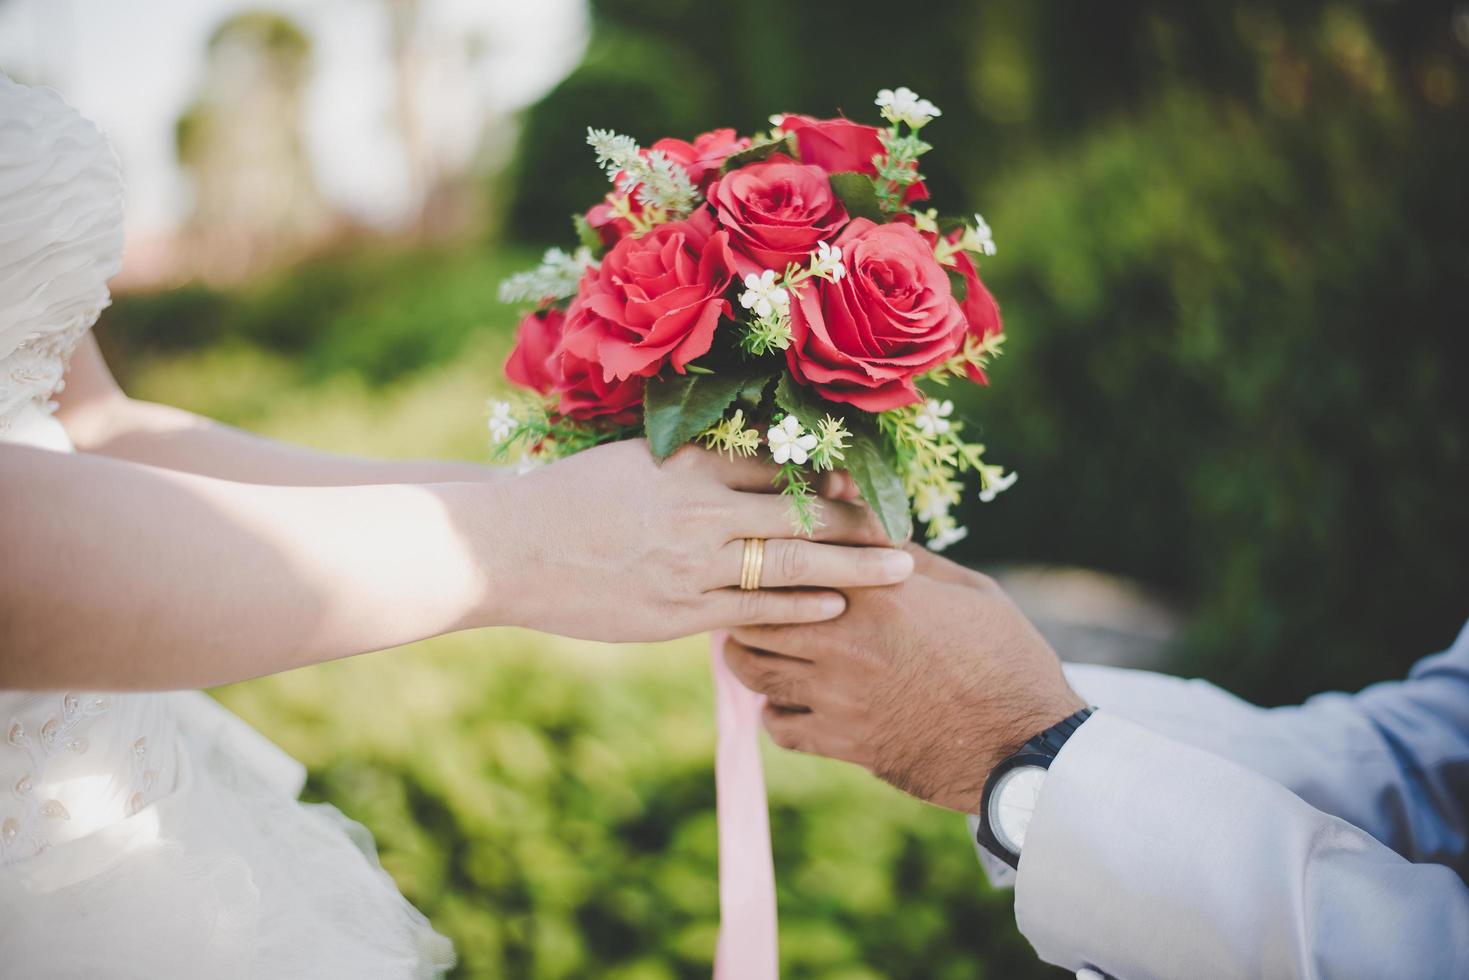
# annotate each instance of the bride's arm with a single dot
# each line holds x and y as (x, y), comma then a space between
(120, 576)
(100, 418)
(123, 576)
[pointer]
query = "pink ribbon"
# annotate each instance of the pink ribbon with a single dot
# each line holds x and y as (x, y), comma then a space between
(747, 931)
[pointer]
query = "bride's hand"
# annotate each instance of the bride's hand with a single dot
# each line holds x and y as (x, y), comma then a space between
(610, 545)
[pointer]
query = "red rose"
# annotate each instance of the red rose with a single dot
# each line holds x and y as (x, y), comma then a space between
(585, 393)
(605, 221)
(776, 211)
(863, 340)
(700, 159)
(540, 362)
(840, 145)
(537, 342)
(655, 299)
(981, 312)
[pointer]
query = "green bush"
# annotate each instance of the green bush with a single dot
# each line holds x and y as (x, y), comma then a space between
(1232, 374)
(378, 313)
(549, 805)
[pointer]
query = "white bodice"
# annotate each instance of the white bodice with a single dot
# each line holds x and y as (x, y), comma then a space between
(61, 207)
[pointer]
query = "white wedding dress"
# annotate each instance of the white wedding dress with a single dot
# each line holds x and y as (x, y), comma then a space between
(148, 835)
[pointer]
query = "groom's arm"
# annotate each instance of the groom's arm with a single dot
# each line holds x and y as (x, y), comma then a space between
(99, 418)
(1390, 760)
(1150, 858)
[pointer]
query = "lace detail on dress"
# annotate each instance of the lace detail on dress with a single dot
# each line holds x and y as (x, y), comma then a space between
(26, 835)
(36, 370)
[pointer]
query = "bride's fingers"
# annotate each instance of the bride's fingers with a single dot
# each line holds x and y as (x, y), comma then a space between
(838, 521)
(736, 607)
(784, 680)
(793, 562)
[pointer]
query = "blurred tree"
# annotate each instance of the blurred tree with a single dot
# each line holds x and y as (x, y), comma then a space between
(254, 193)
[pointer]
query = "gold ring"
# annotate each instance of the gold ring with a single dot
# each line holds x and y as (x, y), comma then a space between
(753, 564)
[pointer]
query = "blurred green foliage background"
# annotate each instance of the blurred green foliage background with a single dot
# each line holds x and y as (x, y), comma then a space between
(1234, 249)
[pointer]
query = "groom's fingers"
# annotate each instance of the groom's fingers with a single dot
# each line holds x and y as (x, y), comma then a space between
(793, 729)
(801, 644)
(784, 680)
(793, 562)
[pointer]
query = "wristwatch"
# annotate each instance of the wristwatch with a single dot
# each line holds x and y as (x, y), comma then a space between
(1014, 786)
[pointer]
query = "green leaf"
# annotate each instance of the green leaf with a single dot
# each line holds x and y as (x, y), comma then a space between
(949, 224)
(753, 392)
(805, 404)
(587, 235)
(958, 284)
(756, 153)
(867, 461)
(677, 408)
(858, 195)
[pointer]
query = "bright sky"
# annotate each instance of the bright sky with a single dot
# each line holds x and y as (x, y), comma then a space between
(135, 66)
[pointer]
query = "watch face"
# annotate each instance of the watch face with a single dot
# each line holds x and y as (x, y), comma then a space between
(1012, 804)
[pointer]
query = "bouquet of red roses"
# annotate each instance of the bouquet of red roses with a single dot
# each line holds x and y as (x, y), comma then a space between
(788, 292)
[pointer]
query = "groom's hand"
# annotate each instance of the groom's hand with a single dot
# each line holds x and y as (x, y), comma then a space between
(928, 684)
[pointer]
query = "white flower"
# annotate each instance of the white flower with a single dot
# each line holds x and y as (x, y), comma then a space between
(826, 262)
(979, 238)
(945, 538)
(933, 418)
(502, 423)
(931, 504)
(993, 488)
(763, 295)
(904, 105)
(788, 444)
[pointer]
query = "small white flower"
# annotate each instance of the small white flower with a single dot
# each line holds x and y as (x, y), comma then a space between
(502, 423)
(993, 488)
(933, 418)
(931, 504)
(826, 262)
(763, 295)
(904, 105)
(788, 444)
(979, 238)
(945, 538)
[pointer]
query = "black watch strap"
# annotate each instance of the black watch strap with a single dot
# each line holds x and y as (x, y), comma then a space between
(1050, 741)
(1040, 750)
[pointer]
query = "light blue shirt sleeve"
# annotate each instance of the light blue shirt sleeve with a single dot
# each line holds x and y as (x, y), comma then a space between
(1392, 760)
(1183, 832)
(1148, 859)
